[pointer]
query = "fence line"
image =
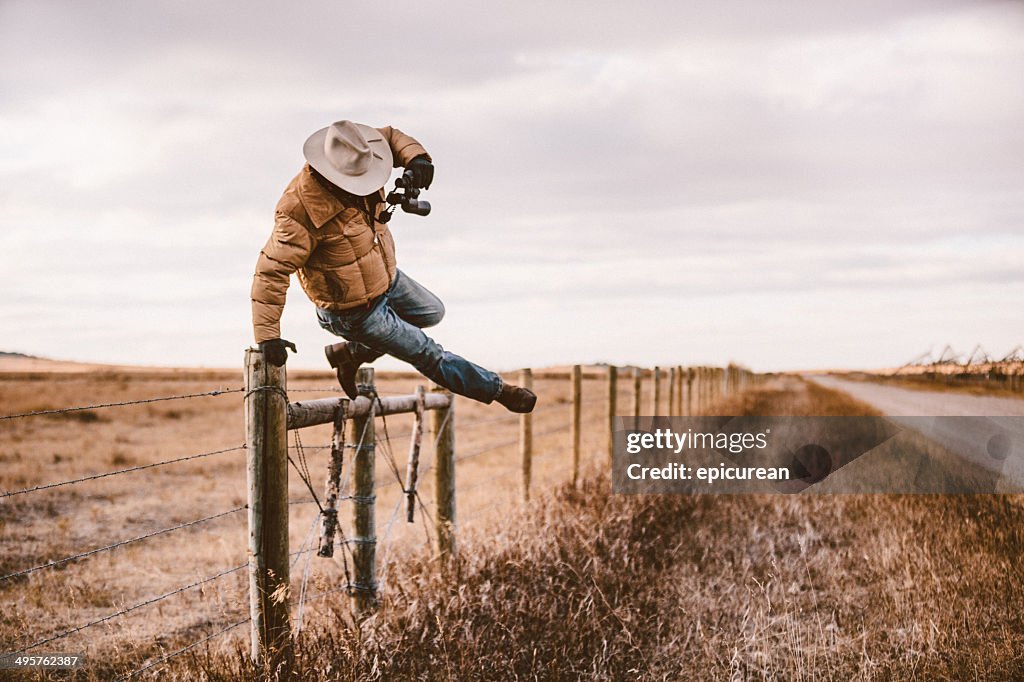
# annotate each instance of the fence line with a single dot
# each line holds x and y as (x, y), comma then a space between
(80, 408)
(701, 386)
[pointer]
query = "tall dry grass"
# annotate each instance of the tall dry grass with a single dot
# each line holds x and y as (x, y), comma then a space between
(588, 585)
(580, 585)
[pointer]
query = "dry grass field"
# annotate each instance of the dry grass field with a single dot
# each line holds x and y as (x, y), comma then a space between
(579, 584)
(44, 526)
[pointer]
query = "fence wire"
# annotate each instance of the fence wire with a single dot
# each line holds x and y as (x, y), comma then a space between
(167, 657)
(93, 477)
(128, 610)
(122, 543)
(80, 408)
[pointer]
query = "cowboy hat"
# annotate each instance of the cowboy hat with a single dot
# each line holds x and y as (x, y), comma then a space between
(353, 156)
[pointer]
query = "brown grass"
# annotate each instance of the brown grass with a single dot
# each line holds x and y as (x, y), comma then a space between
(586, 585)
(39, 527)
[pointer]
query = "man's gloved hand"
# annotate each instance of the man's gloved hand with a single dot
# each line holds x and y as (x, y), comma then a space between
(422, 172)
(275, 351)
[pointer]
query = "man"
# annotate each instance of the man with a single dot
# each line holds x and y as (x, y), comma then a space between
(330, 228)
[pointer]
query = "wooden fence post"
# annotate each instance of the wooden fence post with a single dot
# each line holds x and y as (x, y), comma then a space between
(673, 378)
(613, 396)
(656, 400)
(329, 513)
(443, 426)
(364, 549)
(637, 390)
(702, 388)
(690, 376)
(577, 420)
(707, 383)
(526, 435)
(412, 465)
(681, 378)
(266, 417)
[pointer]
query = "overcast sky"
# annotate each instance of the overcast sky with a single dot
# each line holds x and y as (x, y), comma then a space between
(783, 184)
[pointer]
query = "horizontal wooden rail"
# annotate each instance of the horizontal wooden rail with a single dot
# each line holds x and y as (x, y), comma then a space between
(322, 411)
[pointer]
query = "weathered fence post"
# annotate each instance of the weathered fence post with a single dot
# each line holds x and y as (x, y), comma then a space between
(681, 379)
(266, 437)
(577, 421)
(526, 436)
(702, 388)
(656, 399)
(613, 395)
(443, 426)
(637, 390)
(412, 466)
(329, 514)
(689, 391)
(706, 382)
(364, 550)
(673, 379)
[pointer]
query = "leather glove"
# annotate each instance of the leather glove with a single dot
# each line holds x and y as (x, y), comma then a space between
(422, 172)
(275, 351)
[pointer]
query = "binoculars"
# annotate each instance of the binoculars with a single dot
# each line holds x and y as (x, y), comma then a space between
(408, 198)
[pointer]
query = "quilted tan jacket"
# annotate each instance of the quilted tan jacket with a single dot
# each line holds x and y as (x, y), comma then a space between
(343, 255)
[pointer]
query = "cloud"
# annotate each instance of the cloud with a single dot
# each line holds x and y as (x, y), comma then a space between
(606, 156)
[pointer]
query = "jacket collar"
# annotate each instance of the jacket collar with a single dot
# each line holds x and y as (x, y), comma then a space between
(320, 204)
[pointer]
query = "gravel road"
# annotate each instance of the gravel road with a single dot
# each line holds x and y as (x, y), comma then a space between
(983, 431)
(892, 400)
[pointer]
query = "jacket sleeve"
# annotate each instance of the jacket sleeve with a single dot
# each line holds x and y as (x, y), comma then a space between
(286, 251)
(404, 147)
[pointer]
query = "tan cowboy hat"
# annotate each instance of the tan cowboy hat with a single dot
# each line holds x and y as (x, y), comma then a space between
(353, 156)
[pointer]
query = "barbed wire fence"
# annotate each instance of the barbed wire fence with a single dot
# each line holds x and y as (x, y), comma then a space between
(699, 385)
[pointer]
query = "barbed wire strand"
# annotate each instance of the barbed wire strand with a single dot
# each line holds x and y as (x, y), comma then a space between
(302, 467)
(205, 639)
(182, 650)
(93, 477)
(387, 545)
(134, 607)
(60, 562)
(305, 573)
(97, 406)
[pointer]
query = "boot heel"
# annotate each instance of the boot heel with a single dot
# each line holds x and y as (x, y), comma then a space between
(334, 353)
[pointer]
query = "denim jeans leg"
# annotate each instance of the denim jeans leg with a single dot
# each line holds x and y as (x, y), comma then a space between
(384, 331)
(337, 323)
(414, 303)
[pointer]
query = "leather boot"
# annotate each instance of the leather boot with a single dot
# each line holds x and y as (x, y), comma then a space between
(516, 399)
(343, 360)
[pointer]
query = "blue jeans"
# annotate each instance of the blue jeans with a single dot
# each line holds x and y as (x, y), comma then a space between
(392, 325)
